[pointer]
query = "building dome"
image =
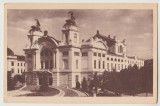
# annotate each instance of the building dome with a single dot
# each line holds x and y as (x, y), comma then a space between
(9, 52)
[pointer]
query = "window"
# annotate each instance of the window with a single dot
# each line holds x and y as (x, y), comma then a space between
(21, 64)
(65, 53)
(84, 54)
(99, 54)
(18, 70)
(122, 66)
(95, 54)
(118, 66)
(108, 65)
(76, 78)
(118, 60)
(12, 63)
(75, 38)
(17, 64)
(41, 64)
(115, 59)
(76, 64)
(24, 64)
(46, 65)
(107, 58)
(24, 70)
(111, 59)
(21, 71)
(112, 65)
(122, 60)
(103, 55)
(51, 64)
(99, 64)
(46, 52)
(121, 49)
(65, 64)
(76, 53)
(103, 64)
(95, 64)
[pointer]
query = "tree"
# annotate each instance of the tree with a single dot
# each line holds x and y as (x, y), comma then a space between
(84, 84)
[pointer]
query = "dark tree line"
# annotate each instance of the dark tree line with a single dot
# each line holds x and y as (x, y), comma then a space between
(13, 81)
(130, 81)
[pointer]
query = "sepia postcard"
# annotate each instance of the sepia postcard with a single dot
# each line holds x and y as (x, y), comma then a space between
(80, 53)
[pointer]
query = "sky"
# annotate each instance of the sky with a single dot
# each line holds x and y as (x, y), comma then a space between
(136, 26)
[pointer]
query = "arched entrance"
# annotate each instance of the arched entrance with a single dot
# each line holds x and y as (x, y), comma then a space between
(47, 56)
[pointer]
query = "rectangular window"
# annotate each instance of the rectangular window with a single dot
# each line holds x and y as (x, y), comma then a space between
(65, 64)
(51, 64)
(65, 53)
(99, 54)
(18, 70)
(111, 65)
(76, 77)
(103, 64)
(122, 60)
(41, 64)
(122, 66)
(95, 64)
(99, 64)
(76, 64)
(118, 66)
(21, 71)
(107, 58)
(21, 64)
(95, 54)
(17, 64)
(103, 55)
(111, 59)
(24, 64)
(76, 53)
(12, 63)
(107, 65)
(84, 54)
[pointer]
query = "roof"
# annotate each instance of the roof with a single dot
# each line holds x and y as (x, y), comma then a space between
(10, 52)
(110, 41)
(20, 58)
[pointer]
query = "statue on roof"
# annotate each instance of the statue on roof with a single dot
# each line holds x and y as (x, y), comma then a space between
(35, 27)
(71, 13)
(71, 20)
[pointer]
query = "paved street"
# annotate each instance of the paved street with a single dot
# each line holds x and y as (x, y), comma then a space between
(64, 92)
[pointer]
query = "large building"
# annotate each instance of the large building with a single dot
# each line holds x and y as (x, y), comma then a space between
(15, 63)
(70, 59)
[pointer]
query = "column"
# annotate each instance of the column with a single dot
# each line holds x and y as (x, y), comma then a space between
(54, 56)
(37, 60)
(57, 65)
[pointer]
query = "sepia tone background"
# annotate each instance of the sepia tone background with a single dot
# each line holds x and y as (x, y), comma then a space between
(120, 23)
(97, 100)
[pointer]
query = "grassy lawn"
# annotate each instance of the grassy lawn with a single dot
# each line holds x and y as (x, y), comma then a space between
(49, 92)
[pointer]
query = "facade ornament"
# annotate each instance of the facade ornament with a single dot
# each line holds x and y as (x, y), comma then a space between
(35, 27)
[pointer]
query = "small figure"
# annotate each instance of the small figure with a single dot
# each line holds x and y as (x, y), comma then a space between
(77, 85)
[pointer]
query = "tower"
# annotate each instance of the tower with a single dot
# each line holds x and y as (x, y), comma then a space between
(70, 32)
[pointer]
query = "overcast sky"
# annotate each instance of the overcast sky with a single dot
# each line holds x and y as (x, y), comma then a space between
(136, 26)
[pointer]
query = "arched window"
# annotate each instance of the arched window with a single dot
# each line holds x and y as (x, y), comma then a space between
(75, 38)
(121, 49)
